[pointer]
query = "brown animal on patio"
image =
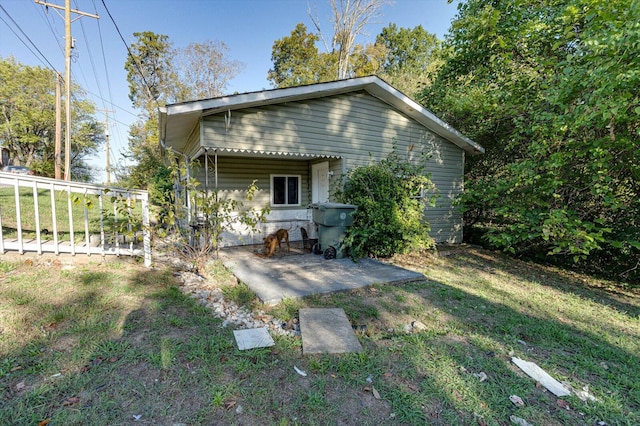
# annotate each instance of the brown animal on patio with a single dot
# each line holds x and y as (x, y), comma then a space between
(271, 240)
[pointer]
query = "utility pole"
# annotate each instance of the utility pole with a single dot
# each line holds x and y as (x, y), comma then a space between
(68, 46)
(57, 161)
(107, 148)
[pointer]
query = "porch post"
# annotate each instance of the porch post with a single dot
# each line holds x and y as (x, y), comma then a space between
(215, 161)
(187, 194)
(206, 171)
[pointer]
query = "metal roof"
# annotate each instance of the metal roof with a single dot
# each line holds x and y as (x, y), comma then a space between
(262, 153)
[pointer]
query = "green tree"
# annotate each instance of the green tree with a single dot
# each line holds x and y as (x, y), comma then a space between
(144, 150)
(297, 61)
(350, 17)
(27, 120)
(159, 74)
(368, 59)
(551, 89)
(150, 73)
(411, 54)
(404, 57)
(152, 83)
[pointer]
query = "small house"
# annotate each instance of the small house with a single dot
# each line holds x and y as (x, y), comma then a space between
(298, 142)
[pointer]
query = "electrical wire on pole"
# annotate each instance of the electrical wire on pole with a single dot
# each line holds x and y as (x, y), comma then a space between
(68, 46)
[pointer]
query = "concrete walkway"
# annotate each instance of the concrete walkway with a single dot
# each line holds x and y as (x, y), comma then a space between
(297, 274)
(327, 331)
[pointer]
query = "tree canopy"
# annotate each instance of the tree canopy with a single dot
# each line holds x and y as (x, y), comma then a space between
(159, 74)
(297, 61)
(410, 55)
(349, 20)
(27, 120)
(552, 90)
(403, 56)
(150, 73)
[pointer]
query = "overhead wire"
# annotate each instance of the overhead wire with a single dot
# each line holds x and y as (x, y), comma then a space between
(116, 142)
(33, 48)
(45, 17)
(106, 73)
(42, 57)
(112, 104)
(93, 67)
(138, 67)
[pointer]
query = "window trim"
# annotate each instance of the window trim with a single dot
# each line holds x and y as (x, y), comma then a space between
(271, 185)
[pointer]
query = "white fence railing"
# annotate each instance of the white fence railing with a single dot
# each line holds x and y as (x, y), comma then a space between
(52, 216)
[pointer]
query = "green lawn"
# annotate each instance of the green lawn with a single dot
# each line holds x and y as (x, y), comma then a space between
(61, 202)
(102, 343)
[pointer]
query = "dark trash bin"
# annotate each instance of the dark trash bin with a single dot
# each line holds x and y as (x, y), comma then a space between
(333, 220)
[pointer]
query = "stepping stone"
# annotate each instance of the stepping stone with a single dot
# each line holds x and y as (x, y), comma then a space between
(327, 331)
(253, 338)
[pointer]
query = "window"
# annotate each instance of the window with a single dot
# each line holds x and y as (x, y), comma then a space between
(285, 190)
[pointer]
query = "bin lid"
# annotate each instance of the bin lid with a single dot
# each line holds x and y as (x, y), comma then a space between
(329, 206)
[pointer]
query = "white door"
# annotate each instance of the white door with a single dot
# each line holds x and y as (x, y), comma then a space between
(320, 182)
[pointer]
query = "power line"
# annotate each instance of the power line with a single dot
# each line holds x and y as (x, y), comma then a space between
(68, 47)
(112, 104)
(117, 140)
(100, 96)
(45, 17)
(148, 87)
(106, 70)
(104, 56)
(57, 36)
(27, 37)
(93, 66)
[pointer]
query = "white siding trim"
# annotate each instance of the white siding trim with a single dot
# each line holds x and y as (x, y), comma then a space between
(289, 219)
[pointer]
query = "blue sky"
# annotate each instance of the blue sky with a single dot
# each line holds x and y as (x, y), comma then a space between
(247, 27)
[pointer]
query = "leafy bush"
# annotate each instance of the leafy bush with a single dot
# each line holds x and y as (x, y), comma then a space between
(161, 192)
(161, 186)
(391, 196)
(561, 175)
(198, 233)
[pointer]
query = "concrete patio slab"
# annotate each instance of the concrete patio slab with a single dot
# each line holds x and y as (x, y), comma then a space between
(253, 338)
(297, 275)
(327, 331)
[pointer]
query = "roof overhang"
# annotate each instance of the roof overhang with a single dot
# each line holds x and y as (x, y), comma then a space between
(231, 152)
(177, 121)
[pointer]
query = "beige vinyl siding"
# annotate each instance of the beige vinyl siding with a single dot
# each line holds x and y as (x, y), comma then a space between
(235, 174)
(193, 143)
(357, 127)
(350, 126)
(446, 170)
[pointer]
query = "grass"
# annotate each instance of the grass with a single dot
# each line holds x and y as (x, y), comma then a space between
(102, 343)
(28, 213)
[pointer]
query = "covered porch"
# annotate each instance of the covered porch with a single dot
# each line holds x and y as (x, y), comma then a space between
(287, 183)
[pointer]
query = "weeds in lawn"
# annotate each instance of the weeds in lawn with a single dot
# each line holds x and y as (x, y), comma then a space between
(100, 344)
(241, 294)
